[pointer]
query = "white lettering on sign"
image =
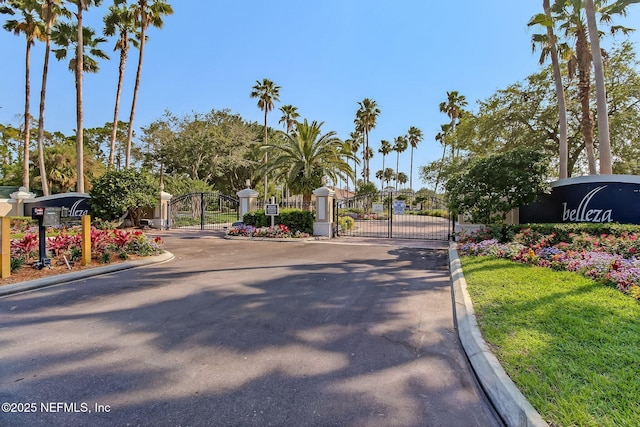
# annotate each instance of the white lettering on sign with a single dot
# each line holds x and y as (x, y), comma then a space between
(583, 213)
(74, 211)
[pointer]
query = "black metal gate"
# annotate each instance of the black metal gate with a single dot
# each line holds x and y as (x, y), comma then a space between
(388, 214)
(203, 211)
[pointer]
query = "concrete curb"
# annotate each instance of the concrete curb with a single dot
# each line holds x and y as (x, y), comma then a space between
(512, 406)
(77, 275)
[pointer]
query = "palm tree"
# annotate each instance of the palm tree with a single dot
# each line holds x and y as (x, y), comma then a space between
(399, 146)
(550, 48)
(49, 13)
(388, 174)
(385, 148)
(79, 68)
(145, 13)
(453, 108)
(402, 178)
(267, 93)
(365, 120)
(289, 116)
(306, 156)
(66, 37)
(604, 144)
(32, 30)
(415, 137)
(355, 139)
(120, 20)
(570, 14)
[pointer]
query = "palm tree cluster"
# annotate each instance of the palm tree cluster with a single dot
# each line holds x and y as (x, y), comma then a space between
(61, 22)
(571, 35)
(301, 157)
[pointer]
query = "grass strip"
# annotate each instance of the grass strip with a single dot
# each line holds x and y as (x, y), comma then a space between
(572, 346)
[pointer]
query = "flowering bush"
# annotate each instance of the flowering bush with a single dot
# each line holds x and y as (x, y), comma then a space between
(280, 231)
(607, 259)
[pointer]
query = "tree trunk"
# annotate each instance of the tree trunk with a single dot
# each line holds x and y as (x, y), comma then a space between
(562, 109)
(79, 130)
(604, 144)
(43, 92)
(143, 30)
(266, 138)
(27, 118)
(114, 131)
(411, 171)
(584, 90)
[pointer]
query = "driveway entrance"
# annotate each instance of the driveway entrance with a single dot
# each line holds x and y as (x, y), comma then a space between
(236, 333)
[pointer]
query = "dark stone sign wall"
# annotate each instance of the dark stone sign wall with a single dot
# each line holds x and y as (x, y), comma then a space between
(595, 199)
(77, 203)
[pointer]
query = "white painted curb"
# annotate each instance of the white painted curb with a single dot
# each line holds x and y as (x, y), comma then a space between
(510, 403)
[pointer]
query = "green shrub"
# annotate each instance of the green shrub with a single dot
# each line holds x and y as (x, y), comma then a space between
(294, 219)
(123, 191)
(17, 263)
(346, 223)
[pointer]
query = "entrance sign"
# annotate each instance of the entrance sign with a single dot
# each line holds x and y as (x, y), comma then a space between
(398, 207)
(271, 210)
(590, 199)
(378, 208)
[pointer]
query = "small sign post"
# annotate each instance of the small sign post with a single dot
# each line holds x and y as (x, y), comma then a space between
(272, 210)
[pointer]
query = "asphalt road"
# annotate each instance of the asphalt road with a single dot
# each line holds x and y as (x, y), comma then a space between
(236, 333)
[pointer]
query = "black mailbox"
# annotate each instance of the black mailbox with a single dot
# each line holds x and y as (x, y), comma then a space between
(47, 217)
(50, 216)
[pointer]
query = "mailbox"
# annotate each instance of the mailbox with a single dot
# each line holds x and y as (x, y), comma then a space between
(49, 216)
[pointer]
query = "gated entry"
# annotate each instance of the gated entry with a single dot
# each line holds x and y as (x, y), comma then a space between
(204, 211)
(383, 215)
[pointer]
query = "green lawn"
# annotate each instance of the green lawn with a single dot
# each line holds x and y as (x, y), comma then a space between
(570, 345)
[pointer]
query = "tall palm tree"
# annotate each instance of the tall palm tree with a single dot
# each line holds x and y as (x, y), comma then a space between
(415, 137)
(289, 116)
(365, 120)
(385, 148)
(402, 178)
(145, 13)
(32, 29)
(549, 48)
(66, 37)
(306, 156)
(569, 13)
(79, 68)
(49, 13)
(355, 140)
(617, 8)
(388, 175)
(267, 93)
(119, 20)
(453, 107)
(400, 144)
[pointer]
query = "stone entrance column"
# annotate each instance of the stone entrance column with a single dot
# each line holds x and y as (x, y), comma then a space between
(247, 202)
(17, 200)
(323, 225)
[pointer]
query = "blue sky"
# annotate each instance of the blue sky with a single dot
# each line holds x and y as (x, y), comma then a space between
(325, 55)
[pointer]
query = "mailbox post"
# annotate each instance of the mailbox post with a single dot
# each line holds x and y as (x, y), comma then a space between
(47, 217)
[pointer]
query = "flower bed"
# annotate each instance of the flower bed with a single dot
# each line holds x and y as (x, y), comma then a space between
(607, 259)
(277, 231)
(64, 245)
